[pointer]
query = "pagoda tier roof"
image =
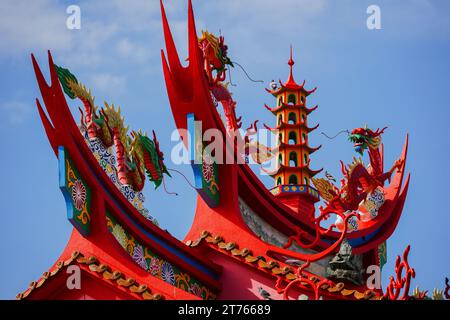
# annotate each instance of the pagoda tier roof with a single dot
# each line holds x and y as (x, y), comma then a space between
(290, 85)
(278, 268)
(304, 145)
(290, 106)
(283, 167)
(284, 125)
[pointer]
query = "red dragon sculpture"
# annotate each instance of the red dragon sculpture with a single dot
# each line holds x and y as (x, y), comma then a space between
(362, 186)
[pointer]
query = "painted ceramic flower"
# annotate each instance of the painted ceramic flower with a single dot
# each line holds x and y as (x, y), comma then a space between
(139, 257)
(195, 290)
(154, 267)
(78, 195)
(167, 273)
(120, 235)
(208, 169)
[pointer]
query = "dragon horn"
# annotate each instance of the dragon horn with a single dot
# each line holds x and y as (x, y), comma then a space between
(155, 140)
(343, 168)
(255, 125)
(379, 132)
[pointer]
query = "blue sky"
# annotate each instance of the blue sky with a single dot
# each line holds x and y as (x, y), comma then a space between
(395, 77)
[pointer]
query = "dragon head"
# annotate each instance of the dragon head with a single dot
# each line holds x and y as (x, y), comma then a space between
(215, 50)
(364, 138)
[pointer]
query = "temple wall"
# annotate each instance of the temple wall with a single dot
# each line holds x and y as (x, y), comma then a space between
(269, 234)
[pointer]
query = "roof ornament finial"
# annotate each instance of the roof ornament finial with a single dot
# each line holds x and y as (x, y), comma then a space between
(291, 61)
(291, 64)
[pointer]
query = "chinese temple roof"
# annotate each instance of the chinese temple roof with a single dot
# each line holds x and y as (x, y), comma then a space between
(120, 254)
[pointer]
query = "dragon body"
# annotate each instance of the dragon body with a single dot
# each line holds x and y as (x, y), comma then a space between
(95, 123)
(215, 62)
(361, 188)
(136, 153)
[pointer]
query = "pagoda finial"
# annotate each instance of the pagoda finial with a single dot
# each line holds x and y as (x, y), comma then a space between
(291, 64)
(291, 61)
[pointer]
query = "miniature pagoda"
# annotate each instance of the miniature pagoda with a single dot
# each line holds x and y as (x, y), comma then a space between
(293, 176)
(246, 242)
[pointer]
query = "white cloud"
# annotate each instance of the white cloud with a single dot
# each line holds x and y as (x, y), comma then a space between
(133, 50)
(135, 15)
(108, 84)
(278, 8)
(34, 26)
(26, 25)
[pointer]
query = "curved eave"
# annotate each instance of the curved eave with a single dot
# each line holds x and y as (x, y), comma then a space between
(309, 110)
(300, 145)
(291, 106)
(290, 86)
(141, 289)
(284, 125)
(311, 129)
(292, 169)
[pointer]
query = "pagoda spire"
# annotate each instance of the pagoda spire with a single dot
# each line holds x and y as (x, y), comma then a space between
(291, 63)
(293, 174)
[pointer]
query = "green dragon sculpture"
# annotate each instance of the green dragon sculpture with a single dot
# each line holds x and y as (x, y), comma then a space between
(136, 153)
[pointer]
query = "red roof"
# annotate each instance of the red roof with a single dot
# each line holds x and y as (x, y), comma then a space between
(290, 106)
(283, 125)
(290, 84)
(293, 169)
(310, 150)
